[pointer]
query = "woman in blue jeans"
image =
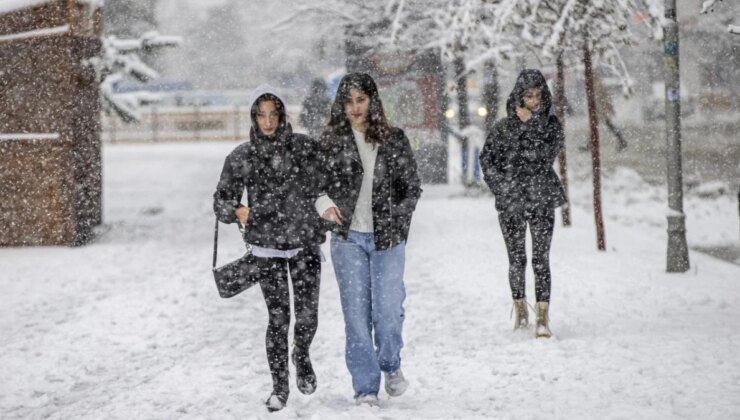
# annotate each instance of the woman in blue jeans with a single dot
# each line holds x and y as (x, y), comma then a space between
(371, 189)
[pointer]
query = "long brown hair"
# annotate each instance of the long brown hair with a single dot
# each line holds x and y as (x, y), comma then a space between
(378, 129)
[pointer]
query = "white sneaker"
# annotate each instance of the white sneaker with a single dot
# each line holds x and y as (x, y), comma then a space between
(371, 400)
(395, 383)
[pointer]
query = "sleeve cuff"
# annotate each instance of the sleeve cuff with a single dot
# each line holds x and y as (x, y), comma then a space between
(323, 203)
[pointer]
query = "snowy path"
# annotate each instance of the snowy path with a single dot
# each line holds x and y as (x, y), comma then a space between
(131, 326)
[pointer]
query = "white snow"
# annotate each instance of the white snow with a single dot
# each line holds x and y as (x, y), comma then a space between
(7, 6)
(29, 136)
(131, 326)
(35, 33)
(712, 189)
(94, 4)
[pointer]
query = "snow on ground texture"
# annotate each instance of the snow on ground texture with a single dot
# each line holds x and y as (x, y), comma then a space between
(132, 327)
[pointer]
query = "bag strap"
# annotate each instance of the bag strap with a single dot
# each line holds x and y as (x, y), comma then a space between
(215, 243)
(215, 240)
(215, 232)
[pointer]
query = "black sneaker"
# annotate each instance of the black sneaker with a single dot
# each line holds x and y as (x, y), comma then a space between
(276, 402)
(305, 377)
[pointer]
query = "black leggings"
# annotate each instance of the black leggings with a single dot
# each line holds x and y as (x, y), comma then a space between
(514, 228)
(305, 273)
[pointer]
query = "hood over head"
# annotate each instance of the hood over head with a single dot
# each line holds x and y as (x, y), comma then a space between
(529, 78)
(259, 92)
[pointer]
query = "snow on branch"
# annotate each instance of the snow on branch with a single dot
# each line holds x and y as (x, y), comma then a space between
(708, 6)
(389, 25)
(332, 16)
(554, 27)
(150, 40)
(396, 25)
(36, 33)
(120, 59)
(8, 6)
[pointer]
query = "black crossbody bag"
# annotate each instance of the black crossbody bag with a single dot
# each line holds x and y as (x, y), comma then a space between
(236, 276)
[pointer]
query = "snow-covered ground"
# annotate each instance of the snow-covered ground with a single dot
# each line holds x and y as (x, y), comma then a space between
(131, 327)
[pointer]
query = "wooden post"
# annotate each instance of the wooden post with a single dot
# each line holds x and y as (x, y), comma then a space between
(595, 158)
(562, 162)
(196, 122)
(155, 123)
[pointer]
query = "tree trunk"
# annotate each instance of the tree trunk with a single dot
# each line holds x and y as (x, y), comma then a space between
(490, 94)
(595, 158)
(562, 162)
(461, 80)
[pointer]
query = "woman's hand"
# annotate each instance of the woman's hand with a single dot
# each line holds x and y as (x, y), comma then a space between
(524, 114)
(333, 214)
(242, 214)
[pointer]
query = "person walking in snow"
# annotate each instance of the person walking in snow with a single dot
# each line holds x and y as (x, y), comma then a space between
(517, 161)
(315, 109)
(605, 110)
(372, 188)
(278, 170)
(605, 113)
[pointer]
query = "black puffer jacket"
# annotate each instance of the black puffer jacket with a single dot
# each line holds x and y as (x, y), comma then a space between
(281, 179)
(517, 157)
(396, 185)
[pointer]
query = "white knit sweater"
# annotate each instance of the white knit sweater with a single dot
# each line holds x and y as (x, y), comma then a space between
(362, 219)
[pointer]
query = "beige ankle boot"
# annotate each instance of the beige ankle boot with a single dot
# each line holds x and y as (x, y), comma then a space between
(521, 314)
(542, 329)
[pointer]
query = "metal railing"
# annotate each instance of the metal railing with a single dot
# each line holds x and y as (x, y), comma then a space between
(183, 124)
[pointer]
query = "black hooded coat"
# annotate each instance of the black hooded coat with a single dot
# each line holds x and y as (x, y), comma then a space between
(280, 175)
(517, 157)
(316, 108)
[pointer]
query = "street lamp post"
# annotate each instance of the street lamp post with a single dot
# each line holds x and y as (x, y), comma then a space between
(678, 253)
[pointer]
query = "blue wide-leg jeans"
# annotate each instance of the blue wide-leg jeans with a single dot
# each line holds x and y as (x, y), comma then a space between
(372, 293)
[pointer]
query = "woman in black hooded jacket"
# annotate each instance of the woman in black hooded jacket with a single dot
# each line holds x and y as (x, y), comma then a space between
(278, 170)
(517, 161)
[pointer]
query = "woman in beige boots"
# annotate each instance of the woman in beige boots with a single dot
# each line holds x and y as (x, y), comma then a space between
(517, 164)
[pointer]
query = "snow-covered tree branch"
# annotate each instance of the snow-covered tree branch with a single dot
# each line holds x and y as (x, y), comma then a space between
(120, 58)
(337, 16)
(480, 30)
(552, 27)
(708, 6)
